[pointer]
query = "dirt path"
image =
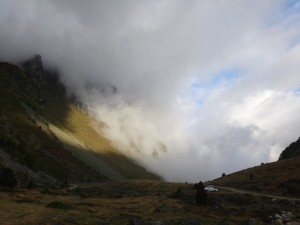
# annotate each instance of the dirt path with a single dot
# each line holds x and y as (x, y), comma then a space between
(257, 194)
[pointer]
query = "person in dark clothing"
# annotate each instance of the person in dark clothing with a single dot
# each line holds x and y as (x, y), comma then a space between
(195, 186)
(251, 176)
(201, 196)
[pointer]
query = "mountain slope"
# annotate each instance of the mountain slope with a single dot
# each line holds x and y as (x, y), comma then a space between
(292, 151)
(47, 139)
(276, 178)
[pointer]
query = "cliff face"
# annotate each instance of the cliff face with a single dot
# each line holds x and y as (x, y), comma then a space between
(34, 67)
(46, 139)
(292, 151)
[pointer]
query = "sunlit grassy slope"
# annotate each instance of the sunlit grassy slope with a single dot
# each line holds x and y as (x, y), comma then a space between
(98, 150)
(41, 129)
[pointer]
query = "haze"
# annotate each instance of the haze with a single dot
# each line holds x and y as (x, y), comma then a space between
(190, 89)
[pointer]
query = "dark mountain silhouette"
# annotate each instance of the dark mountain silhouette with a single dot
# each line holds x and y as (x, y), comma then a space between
(278, 178)
(292, 151)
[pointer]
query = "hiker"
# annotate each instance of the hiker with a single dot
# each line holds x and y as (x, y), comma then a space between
(201, 195)
(195, 186)
(251, 176)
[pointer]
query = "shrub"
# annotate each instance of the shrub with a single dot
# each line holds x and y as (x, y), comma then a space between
(26, 200)
(31, 184)
(8, 178)
(59, 205)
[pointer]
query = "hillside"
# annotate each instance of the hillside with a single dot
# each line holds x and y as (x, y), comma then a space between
(46, 138)
(277, 178)
(292, 151)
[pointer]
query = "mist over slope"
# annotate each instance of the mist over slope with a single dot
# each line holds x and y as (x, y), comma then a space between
(46, 137)
(195, 83)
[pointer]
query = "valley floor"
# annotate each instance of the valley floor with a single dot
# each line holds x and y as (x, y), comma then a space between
(137, 203)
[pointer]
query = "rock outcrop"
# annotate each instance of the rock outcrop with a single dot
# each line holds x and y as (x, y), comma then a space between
(291, 151)
(46, 139)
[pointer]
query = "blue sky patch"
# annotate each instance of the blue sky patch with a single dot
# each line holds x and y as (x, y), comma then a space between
(292, 7)
(297, 91)
(286, 15)
(224, 76)
(199, 90)
(291, 3)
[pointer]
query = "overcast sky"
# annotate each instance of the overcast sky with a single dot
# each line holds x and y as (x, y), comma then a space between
(203, 86)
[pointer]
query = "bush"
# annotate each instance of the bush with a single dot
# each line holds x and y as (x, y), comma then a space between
(265, 210)
(31, 184)
(59, 205)
(8, 178)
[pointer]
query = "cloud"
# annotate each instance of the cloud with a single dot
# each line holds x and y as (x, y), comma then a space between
(201, 87)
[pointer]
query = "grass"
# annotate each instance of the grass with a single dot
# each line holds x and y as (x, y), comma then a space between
(59, 205)
(81, 126)
(121, 202)
(277, 178)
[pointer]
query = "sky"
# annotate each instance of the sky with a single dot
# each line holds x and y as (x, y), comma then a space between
(189, 89)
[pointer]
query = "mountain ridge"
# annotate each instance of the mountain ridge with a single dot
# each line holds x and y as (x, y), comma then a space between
(279, 178)
(292, 151)
(47, 138)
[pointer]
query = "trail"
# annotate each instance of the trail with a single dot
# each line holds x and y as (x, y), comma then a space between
(257, 194)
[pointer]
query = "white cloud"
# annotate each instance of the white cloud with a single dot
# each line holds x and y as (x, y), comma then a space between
(168, 61)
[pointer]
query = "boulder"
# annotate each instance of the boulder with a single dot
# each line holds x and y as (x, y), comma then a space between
(277, 222)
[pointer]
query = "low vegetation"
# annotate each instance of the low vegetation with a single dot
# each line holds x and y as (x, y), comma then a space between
(59, 205)
(136, 202)
(277, 178)
(7, 178)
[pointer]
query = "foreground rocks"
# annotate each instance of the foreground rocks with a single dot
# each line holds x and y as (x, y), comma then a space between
(285, 217)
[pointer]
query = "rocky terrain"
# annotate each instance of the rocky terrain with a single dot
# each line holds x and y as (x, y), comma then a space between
(292, 151)
(46, 136)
